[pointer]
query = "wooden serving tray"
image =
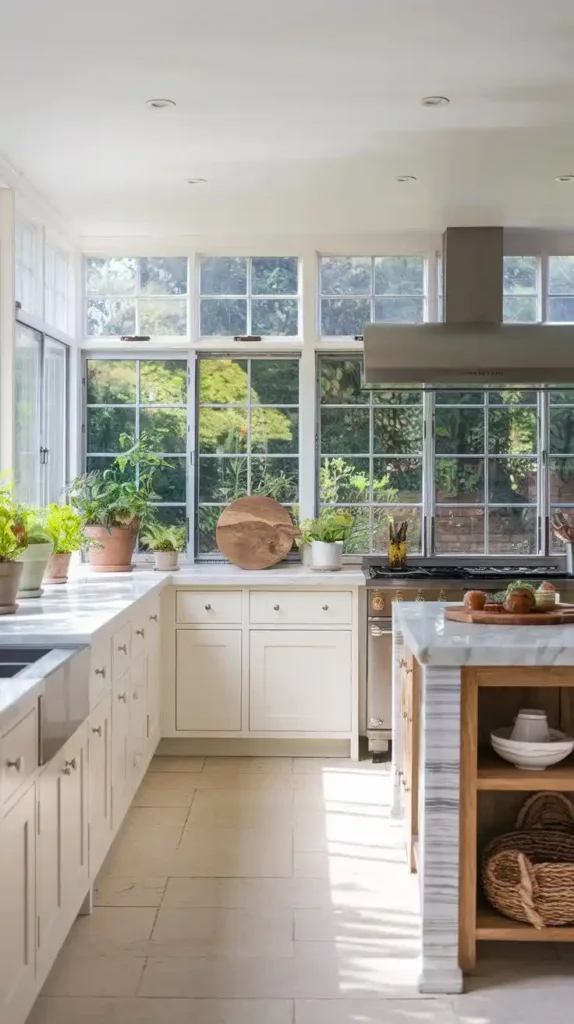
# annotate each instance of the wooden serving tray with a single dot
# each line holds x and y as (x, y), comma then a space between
(495, 615)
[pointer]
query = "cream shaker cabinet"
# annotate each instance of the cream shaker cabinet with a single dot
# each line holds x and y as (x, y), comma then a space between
(100, 783)
(208, 679)
(18, 908)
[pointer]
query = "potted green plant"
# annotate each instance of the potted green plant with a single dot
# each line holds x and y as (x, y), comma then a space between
(115, 502)
(166, 542)
(36, 553)
(65, 529)
(12, 543)
(326, 536)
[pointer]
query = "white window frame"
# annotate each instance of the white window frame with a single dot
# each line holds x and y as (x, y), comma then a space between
(225, 339)
(113, 340)
(372, 296)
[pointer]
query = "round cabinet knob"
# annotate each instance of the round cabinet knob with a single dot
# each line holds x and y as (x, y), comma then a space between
(140, 632)
(208, 607)
(153, 618)
(275, 607)
(325, 607)
(123, 647)
(17, 763)
(123, 696)
(402, 663)
(101, 672)
(405, 716)
(97, 729)
(135, 695)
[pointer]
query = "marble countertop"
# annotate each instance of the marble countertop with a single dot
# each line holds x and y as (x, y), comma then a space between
(286, 575)
(435, 641)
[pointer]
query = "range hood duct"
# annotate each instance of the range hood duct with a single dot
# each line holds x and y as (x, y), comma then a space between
(472, 347)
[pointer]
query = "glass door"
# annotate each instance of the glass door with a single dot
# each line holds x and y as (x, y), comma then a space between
(54, 403)
(28, 415)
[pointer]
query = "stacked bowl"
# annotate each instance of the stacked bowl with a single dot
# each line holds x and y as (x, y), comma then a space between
(530, 744)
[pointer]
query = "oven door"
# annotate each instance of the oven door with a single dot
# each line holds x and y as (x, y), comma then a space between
(379, 676)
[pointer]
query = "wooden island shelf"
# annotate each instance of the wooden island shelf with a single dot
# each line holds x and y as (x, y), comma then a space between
(495, 774)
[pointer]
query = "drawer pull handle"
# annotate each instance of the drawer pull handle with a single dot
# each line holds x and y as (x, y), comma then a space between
(97, 729)
(275, 607)
(17, 763)
(135, 695)
(140, 632)
(153, 618)
(123, 696)
(101, 672)
(123, 647)
(402, 663)
(68, 765)
(325, 607)
(208, 607)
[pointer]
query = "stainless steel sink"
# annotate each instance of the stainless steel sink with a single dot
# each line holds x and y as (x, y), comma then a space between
(14, 659)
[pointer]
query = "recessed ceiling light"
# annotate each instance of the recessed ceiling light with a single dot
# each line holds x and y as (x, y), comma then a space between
(564, 177)
(402, 178)
(197, 181)
(160, 104)
(435, 101)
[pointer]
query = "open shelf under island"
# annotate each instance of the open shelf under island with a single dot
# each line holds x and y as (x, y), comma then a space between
(453, 683)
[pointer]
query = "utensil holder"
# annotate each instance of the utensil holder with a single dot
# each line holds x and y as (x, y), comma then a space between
(397, 555)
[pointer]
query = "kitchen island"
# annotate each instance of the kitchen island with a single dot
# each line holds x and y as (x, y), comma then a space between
(455, 682)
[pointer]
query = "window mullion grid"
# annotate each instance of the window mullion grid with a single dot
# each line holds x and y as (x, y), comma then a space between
(137, 410)
(371, 471)
(543, 287)
(428, 474)
(544, 470)
(249, 426)
(486, 473)
(249, 322)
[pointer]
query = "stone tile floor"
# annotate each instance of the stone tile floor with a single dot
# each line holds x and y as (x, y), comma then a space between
(273, 891)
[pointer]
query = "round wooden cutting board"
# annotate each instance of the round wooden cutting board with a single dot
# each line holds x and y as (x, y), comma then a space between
(255, 532)
(496, 615)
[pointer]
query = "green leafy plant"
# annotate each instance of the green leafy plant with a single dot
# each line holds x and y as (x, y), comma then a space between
(31, 521)
(520, 585)
(122, 494)
(64, 528)
(13, 537)
(331, 526)
(158, 537)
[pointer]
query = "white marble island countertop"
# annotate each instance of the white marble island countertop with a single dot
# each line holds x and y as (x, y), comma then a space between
(436, 641)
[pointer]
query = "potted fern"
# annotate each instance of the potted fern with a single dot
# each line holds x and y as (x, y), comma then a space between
(166, 542)
(326, 536)
(115, 502)
(65, 529)
(35, 555)
(12, 543)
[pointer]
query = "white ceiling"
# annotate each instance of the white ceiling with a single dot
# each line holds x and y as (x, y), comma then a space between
(300, 114)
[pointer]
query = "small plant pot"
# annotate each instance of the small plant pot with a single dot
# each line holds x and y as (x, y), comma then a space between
(57, 569)
(34, 560)
(166, 561)
(326, 557)
(10, 573)
(112, 549)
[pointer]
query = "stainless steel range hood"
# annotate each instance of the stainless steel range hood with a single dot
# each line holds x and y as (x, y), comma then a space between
(472, 347)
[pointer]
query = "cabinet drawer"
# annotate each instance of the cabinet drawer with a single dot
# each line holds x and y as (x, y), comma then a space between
(302, 608)
(100, 669)
(19, 748)
(121, 643)
(209, 606)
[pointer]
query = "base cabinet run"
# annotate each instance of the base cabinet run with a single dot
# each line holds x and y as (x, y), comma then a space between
(299, 681)
(57, 826)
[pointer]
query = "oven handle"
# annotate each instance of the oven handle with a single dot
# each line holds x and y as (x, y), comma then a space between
(380, 627)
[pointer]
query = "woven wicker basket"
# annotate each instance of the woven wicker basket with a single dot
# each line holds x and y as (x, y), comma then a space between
(528, 875)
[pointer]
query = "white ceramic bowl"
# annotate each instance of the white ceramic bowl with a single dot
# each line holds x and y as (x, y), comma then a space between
(533, 757)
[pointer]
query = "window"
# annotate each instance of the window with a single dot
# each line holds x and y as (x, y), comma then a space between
(560, 298)
(41, 411)
(248, 436)
(141, 397)
(28, 266)
(56, 279)
(254, 295)
(355, 290)
(128, 295)
(486, 472)
(521, 289)
(370, 454)
(561, 456)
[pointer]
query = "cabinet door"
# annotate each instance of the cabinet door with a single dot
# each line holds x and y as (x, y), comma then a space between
(208, 679)
(17, 908)
(49, 870)
(300, 681)
(100, 787)
(120, 745)
(138, 714)
(153, 671)
(74, 820)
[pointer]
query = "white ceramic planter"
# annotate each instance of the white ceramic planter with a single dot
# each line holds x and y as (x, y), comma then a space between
(35, 559)
(326, 557)
(166, 561)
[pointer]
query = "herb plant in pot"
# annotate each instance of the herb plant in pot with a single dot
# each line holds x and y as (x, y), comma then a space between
(12, 543)
(166, 542)
(326, 536)
(115, 502)
(35, 555)
(65, 529)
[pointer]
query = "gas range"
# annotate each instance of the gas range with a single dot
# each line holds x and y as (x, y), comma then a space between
(378, 574)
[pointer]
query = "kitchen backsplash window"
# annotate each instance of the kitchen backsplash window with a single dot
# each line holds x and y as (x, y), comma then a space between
(247, 436)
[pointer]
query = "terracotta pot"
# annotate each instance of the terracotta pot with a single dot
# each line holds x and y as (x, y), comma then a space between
(114, 547)
(34, 560)
(10, 573)
(166, 561)
(57, 569)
